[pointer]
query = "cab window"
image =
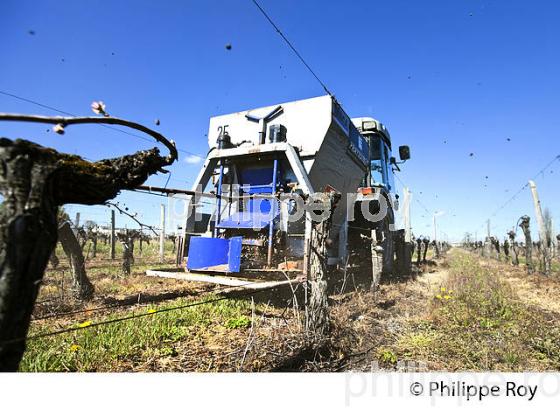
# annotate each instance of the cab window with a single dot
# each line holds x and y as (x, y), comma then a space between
(376, 156)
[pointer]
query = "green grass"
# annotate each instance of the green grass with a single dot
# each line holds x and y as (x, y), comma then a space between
(238, 322)
(476, 323)
(104, 348)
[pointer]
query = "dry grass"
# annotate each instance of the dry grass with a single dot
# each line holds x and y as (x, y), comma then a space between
(536, 289)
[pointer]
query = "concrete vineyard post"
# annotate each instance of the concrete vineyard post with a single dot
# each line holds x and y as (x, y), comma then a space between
(545, 245)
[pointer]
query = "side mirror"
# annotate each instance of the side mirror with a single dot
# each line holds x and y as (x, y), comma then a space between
(404, 152)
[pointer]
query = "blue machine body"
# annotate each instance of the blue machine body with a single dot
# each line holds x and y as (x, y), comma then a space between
(215, 254)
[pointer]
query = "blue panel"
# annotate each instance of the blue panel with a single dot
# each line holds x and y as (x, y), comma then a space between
(253, 180)
(206, 252)
(234, 254)
(256, 189)
(341, 118)
(255, 176)
(209, 253)
(358, 145)
(247, 220)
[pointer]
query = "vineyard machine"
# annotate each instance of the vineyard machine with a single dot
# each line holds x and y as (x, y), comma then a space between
(242, 220)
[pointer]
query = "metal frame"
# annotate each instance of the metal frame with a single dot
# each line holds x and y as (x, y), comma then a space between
(215, 157)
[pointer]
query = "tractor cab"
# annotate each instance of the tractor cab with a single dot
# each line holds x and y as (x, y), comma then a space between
(382, 164)
(377, 198)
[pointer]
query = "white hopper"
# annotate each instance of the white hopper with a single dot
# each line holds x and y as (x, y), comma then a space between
(331, 148)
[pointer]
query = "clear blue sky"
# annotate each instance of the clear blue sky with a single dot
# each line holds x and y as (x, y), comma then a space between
(449, 78)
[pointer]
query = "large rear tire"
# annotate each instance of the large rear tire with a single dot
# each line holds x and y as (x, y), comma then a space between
(359, 242)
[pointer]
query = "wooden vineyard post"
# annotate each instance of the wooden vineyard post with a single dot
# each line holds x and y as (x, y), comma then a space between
(406, 256)
(162, 235)
(419, 250)
(113, 238)
(93, 236)
(77, 221)
(525, 225)
(553, 241)
(317, 316)
(140, 242)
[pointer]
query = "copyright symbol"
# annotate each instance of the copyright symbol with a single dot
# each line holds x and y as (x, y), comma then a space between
(416, 389)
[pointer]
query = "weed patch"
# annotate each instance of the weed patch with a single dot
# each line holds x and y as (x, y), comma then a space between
(477, 323)
(101, 348)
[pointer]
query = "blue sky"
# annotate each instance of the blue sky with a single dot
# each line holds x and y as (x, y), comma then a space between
(448, 78)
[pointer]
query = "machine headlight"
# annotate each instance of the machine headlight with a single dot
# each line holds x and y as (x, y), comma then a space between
(369, 126)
